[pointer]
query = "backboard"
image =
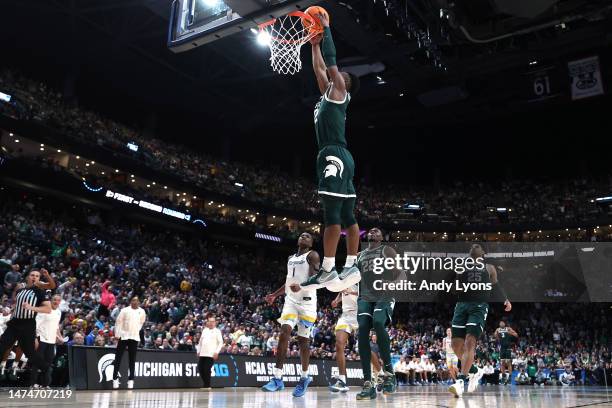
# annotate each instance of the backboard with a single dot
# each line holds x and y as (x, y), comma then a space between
(197, 22)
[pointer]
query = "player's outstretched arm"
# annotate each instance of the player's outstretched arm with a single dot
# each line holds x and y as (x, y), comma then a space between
(498, 291)
(512, 332)
(328, 50)
(318, 64)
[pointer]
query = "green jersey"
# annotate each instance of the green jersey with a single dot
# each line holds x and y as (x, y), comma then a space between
(474, 276)
(330, 119)
(505, 339)
(365, 264)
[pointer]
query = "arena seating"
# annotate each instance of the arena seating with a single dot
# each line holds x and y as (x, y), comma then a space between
(566, 201)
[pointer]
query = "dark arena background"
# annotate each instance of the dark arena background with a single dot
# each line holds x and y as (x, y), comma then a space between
(160, 163)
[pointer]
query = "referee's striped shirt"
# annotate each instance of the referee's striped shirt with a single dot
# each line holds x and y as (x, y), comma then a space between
(32, 296)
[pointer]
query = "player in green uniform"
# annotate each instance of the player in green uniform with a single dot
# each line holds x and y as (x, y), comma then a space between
(335, 165)
(374, 311)
(505, 335)
(470, 316)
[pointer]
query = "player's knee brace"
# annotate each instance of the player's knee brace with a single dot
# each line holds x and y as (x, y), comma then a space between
(331, 211)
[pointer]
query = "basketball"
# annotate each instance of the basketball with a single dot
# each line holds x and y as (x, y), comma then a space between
(315, 25)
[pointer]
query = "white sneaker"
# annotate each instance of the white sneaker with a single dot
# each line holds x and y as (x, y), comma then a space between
(349, 277)
(457, 388)
(475, 380)
(130, 384)
(116, 384)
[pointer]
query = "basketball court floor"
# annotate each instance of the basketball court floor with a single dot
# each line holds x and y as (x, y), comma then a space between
(510, 397)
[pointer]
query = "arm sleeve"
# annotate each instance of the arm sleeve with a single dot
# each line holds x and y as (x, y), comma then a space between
(328, 49)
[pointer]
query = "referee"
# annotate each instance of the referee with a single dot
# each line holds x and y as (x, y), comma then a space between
(29, 301)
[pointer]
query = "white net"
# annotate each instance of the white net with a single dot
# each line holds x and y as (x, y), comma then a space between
(285, 37)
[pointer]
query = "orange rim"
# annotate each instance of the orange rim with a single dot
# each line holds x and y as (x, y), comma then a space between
(297, 13)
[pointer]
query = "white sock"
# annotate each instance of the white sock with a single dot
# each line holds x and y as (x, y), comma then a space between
(278, 373)
(328, 263)
(304, 373)
(342, 378)
(2, 364)
(350, 261)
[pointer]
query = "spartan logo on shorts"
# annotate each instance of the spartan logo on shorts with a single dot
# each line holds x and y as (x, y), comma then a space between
(334, 167)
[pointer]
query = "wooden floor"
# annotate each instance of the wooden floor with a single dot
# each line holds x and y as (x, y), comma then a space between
(434, 396)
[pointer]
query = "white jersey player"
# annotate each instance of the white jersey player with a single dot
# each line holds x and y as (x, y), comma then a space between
(452, 361)
(300, 309)
(347, 325)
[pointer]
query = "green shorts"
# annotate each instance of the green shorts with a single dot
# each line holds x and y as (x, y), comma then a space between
(469, 317)
(370, 308)
(505, 354)
(335, 171)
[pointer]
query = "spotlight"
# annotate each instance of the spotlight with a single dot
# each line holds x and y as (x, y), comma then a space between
(263, 38)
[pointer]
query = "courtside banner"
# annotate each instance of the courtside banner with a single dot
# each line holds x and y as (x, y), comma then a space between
(448, 272)
(91, 368)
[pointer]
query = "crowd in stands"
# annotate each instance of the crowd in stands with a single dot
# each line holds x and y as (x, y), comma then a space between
(567, 201)
(180, 279)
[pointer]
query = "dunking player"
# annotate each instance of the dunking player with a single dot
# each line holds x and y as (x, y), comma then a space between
(335, 165)
(470, 316)
(504, 334)
(374, 310)
(451, 357)
(300, 310)
(347, 325)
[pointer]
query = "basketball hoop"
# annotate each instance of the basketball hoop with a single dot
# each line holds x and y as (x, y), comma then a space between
(286, 35)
